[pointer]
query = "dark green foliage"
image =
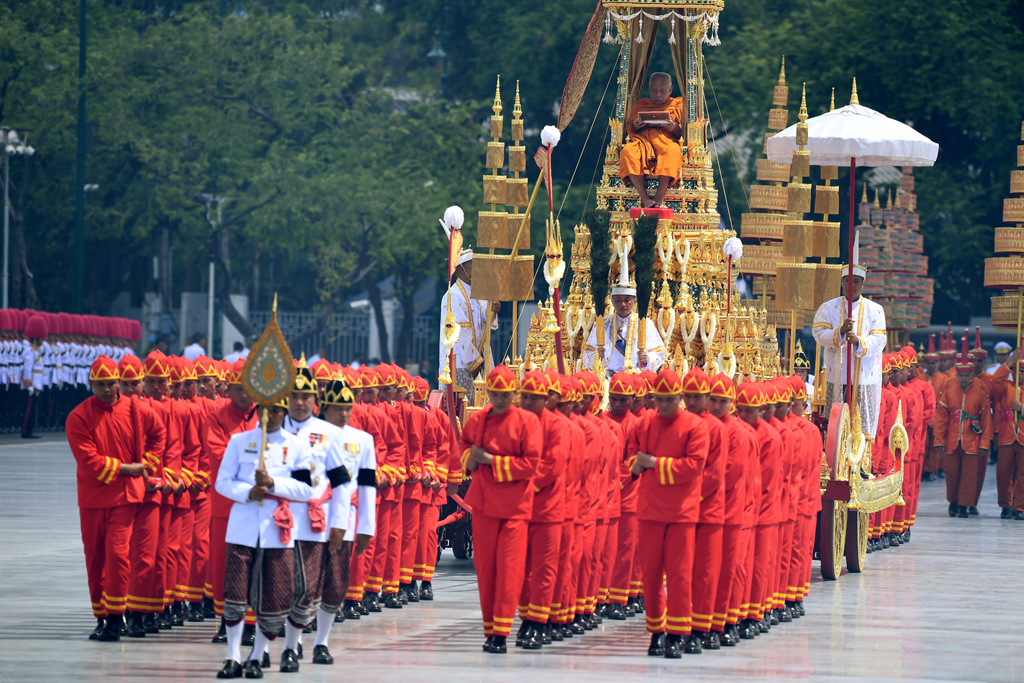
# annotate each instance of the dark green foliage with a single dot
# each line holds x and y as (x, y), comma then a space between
(600, 253)
(644, 240)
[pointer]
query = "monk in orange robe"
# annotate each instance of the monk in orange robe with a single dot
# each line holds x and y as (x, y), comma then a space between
(653, 147)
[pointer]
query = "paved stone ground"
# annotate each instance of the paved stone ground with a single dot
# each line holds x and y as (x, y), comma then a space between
(946, 607)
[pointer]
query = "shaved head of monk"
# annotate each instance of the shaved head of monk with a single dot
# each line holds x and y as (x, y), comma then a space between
(660, 87)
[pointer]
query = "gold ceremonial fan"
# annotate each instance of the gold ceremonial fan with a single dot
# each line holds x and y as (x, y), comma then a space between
(269, 372)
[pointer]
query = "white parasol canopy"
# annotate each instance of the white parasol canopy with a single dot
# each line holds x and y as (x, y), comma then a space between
(856, 131)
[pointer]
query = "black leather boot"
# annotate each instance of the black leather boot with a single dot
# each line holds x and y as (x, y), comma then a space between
(163, 619)
(96, 631)
(392, 601)
(248, 635)
(523, 627)
(544, 630)
(673, 646)
(712, 641)
(195, 612)
(372, 601)
(532, 639)
(350, 610)
(403, 595)
(694, 644)
(231, 669)
(221, 636)
(208, 611)
(150, 626)
(555, 633)
(426, 591)
(657, 646)
(412, 591)
(498, 645)
(135, 629)
(729, 636)
(111, 628)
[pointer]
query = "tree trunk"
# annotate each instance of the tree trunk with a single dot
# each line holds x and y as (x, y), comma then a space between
(378, 312)
(254, 303)
(20, 260)
(405, 331)
(165, 269)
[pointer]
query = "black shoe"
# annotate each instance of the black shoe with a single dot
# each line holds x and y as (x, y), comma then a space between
(693, 645)
(392, 601)
(350, 611)
(973, 511)
(163, 620)
(630, 609)
(729, 636)
(248, 635)
(96, 631)
(532, 639)
(30, 436)
(289, 661)
(641, 606)
(231, 669)
(941, 474)
(221, 636)
(764, 625)
(601, 611)
(775, 616)
(746, 629)
(321, 655)
(371, 601)
(1018, 514)
(576, 625)
(339, 617)
(178, 613)
(596, 618)
(195, 612)
(265, 662)
(673, 646)
(962, 512)
(498, 645)
(657, 646)
(413, 591)
(588, 622)
(487, 643)
(299, 651)
(953, 509)
(252, 669)
(135, 629)
(785, 614)
(883, 542)
(1007, 513)
(208, 611)
(403, 595)
(712, 641)
(523, 627)
(111, 628)
(800, 604)
(555, 633)
(426, 591)
(616, 613)
(928, 476)
(544, 630)
(566, 631)
(308, 628)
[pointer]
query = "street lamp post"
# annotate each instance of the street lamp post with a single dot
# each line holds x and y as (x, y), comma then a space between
(438, 51)
(215, 223)
(11, 145)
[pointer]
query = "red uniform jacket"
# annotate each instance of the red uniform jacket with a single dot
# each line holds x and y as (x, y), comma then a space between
(591, 458)
(670, 491)
(504, 489)
(102, 436)
(927, 393)
(221, 424)
(573, 466)
(913, 418)
(372, 422)
(170, 460)
(628, 484)
(966, 416)
(712, 486)
(549, 481)
(751, 496)
(791, 452)
(738, 452)
(810, 495)
(770, 456)
(414, 420)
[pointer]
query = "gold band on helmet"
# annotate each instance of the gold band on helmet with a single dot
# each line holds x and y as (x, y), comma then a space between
(338, 393)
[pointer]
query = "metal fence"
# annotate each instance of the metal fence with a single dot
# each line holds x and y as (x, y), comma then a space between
(348, 335)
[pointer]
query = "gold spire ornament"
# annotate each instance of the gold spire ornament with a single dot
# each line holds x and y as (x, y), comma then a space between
(853, 94)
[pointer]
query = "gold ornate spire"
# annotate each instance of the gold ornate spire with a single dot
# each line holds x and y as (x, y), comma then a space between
(889, 206)
(496, 107)
(782, 72)
(517, 109)
(864, 198)
(803, 105)
(832, 103)
(853, 95)
(877, 192)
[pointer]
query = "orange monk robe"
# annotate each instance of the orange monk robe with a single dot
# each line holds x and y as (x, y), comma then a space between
(652, 151)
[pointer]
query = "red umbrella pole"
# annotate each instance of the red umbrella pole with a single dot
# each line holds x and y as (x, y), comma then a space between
(849, 282)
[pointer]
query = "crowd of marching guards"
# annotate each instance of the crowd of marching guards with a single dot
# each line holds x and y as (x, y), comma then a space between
(689, 500)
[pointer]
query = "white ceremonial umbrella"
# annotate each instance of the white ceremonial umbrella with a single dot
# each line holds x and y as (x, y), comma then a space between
(854, 135)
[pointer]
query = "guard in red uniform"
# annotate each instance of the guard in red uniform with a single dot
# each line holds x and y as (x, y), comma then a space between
(668, 451)
(231, 416)
(563, 605)
(500, 448)
(792, 450)
(621, 392)
(920, 442)
(585, 536)
(738, 451)
(417, 465)
(704, 586)
(545, 530)
(809, 500)
(109, 436)
(748, 414)
(963, 408)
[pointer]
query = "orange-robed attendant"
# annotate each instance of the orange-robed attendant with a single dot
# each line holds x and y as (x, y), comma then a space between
(668, 450)
(653, 148)
(500, 448)
(108, 435)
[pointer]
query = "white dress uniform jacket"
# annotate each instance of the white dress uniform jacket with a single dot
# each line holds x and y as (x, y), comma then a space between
(251, 522)
(471, 315)
(322, 438)
(621, 335)
(359, 460)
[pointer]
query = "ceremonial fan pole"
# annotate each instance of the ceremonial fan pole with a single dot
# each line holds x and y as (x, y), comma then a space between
(554, 266)
(452, 225)
(850, 394)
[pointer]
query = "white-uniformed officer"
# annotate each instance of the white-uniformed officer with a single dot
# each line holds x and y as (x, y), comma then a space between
(260, 533)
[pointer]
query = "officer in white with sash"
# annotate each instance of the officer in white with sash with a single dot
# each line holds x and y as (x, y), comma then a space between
(865, 332)
(471, 315)
(622, 336)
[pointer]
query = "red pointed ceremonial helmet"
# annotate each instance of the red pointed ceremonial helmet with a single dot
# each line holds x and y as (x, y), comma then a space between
(667, 383)
(749, 394)
(177, 371)
(385, 375)
(932, 354)
(501, 379)
(188, 369)
(103, 369)
(321, 371)
(422, 389)
(156, 365)
(977, 351)
(785, 389)
(369, 377)
(555, 383)
(722, 387)
(622, 383)
(234, 373)
(205, 367)
(535, 382)
(964, 363)
(798, 387)
(910, 353)
(696, 382)
(130, 368)
(589, 383)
